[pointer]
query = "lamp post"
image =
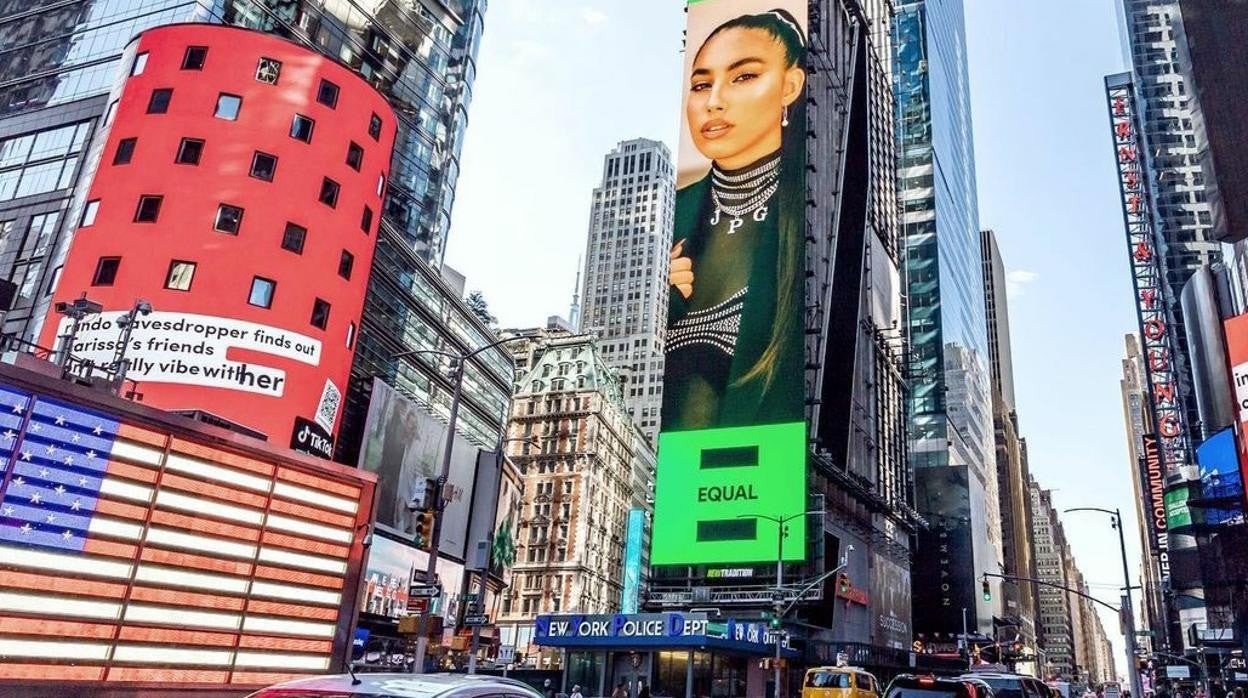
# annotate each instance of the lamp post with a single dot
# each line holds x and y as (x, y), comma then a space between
(1128, 608)
(444, 474)
(778, 596)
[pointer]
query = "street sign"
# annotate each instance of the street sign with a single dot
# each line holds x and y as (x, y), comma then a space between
(417, 605)
(421, 591)
(506, 654)
(476, 620)
(1178, 672)
(1144, 633)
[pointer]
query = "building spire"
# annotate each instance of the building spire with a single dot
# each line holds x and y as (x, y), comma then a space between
(574, 312)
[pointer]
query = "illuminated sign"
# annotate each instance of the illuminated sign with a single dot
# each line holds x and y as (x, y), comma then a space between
(137, 554)
(733, 416)
(1236, 331)
(1154, 323)
(632, 561)
(1153, 482)
(1178, 513)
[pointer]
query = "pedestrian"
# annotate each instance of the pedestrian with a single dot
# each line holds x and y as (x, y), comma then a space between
(621, 690)
(576, 692)
(548, 689)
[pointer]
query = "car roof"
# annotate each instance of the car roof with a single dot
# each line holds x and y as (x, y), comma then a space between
(403, 685)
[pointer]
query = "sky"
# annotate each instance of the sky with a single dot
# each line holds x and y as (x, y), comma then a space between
(560, 83)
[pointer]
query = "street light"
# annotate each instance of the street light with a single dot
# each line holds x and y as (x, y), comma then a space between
(1128, 607)
(778, 597)
(457, 376)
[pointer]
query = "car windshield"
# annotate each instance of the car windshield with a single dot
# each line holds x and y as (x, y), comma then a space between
(827, 679)
(1005, 688)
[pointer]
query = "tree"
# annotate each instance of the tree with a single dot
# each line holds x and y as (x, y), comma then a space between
(479, 307)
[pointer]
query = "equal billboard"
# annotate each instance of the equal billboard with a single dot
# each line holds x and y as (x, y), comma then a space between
(734, 433)
(403, 444)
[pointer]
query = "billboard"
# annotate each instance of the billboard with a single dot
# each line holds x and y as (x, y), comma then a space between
(1220, 477)
(632, 561)
(1236, 330)
(136, 551)
(403, 444)
(734, 432)
(890, 595)
(390, 571)
(1153, 484)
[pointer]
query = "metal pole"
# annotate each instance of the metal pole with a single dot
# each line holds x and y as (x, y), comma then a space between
(966, 641)
(422, 625)
(779, 600)
(1128, 613)
(476, 629)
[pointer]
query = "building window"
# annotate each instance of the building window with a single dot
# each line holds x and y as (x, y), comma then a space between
(268, 70)
(180, 275)
(125, 151)
(262, 292)
(301, 128)
(189, 151)
(106, 271)
(140, 62)
(381, 184)
(228, 106)
(263, 166)
(229, 219)
(366, 221)
(158, 103)
(148, 209)
(327, 94)
(350, 335)
(320, 313)
(293, 237)
(345, 263)
(374, 127)
(329, 192)
(89, 211)
(355, 156)
(194, 57)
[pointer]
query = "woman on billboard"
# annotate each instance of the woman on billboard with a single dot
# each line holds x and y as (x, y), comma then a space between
(734, 341)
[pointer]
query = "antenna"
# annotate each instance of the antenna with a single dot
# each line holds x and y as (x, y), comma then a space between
(574, 313)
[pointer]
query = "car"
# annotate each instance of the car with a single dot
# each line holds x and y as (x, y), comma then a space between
(1005, 685)
(399, 686)
(839, 682)
(928, 686)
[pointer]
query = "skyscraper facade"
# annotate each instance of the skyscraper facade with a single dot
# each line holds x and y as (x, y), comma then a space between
(950, 407)
(626, 261)
(59, 60)
(1056, 627)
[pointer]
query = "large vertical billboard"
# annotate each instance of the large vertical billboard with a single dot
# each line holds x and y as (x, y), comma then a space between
(403, 444)
(734, 432)
(1236, 330)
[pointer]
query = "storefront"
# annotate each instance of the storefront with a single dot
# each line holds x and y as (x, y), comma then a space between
(678, 655)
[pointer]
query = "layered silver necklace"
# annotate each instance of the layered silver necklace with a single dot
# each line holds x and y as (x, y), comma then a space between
(744, 193)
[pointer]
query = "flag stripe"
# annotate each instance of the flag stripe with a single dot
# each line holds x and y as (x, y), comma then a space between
(10, 625)
(199, 562)
(60, 562)
(137, 453)
(191, 448)
(282, 661)
(249, 499)
(307, 528)
(261, 678)
(109, 507)
(143, 613)
(312, 513)
(95, 546)
(64, 672)
(320, 483)
(285, 626)
(185, 578)
(133, 433)
(292, 559)
(132, 472)
(293, 644)
(155, 654)
(213, 528)
(310, 496)
(55, 649)
(187, 598)
(116, 529)
(216, 473)
(284, 575)
(181, 502)
(288, 609)
(137, 633)
(57, 605)
(204, 676)
(294, 593)
(176, 539)
(64, 585)
(307, 546)
(125, 490)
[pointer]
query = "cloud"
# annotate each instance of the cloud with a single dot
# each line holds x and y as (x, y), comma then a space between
(1017, 280)
(593, 16)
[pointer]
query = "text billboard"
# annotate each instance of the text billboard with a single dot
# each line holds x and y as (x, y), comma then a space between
(734, 433)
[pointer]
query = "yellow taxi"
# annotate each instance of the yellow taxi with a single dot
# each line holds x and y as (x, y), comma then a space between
(839, 682)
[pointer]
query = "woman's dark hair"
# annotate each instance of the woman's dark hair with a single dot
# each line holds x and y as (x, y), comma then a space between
(790, 256)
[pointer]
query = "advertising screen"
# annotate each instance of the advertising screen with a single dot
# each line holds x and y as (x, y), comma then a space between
(1220, 477)
(134, 552)
(1178, 514)
(1236, 330)
(734, 434)
(403, 444)
(389, 574)
(632, 561)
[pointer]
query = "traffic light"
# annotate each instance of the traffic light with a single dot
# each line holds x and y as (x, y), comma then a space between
(842, 584)
(424, 529)
(987, 590)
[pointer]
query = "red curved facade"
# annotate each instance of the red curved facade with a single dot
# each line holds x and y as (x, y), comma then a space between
(239, 193)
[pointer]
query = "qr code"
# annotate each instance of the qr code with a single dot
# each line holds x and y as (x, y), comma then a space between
(327, 411)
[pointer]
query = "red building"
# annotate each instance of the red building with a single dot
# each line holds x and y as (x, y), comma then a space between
(238, 193)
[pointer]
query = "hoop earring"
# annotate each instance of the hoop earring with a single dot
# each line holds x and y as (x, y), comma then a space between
(784, 118)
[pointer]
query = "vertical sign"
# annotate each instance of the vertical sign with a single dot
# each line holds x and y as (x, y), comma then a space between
(632, 561)
(1236, 331)
(734, 430)
(1153, 484)
(1150, 306)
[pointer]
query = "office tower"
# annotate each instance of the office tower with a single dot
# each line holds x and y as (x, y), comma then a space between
(626, 262)
(1014, 500)
(950, 401)
(574, 443)
(59, 60)
(1056, 627)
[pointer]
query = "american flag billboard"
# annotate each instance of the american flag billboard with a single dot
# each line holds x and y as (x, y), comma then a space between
(141, 553)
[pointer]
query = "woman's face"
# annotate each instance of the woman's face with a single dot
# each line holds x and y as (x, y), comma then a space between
(738, 89)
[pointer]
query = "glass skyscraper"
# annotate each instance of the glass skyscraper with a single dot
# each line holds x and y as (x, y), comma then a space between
(950, 409)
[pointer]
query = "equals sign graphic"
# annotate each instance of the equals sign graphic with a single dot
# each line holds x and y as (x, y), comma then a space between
(720, 530)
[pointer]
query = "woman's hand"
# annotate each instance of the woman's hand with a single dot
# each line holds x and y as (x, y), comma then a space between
(681, 273)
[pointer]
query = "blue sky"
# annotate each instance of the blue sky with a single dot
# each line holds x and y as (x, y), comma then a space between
(560, 83)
